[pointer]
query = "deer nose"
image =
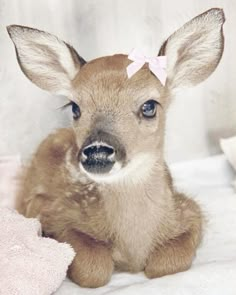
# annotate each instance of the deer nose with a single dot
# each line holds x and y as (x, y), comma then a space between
(98, 158)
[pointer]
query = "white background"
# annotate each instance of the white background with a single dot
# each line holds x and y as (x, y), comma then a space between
(198, 117)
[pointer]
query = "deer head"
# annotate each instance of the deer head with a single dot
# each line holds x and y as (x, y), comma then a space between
(119, 122)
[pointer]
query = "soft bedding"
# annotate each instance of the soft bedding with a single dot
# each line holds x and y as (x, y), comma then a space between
(214, 269)
(228, 146)
(29, 263)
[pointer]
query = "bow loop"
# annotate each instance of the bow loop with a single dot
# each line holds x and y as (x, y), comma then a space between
(157, 65)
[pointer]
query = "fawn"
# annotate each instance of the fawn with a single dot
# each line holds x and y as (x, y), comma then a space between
(103, 185)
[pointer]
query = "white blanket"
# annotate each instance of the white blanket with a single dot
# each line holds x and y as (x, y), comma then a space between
(214, 269)
(228, 146)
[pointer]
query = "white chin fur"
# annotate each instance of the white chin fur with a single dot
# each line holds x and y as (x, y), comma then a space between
(135, 170)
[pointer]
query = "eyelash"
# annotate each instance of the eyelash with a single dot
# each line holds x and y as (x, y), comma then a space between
(65, 106)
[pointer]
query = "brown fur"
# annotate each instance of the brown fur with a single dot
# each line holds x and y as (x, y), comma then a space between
(135, 221)
(136, 231)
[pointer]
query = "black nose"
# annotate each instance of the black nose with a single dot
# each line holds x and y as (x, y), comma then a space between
(98, 158)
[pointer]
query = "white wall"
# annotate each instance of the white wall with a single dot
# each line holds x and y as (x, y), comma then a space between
(197, 118)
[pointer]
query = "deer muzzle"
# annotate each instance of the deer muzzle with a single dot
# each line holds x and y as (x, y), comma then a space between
(100, 152)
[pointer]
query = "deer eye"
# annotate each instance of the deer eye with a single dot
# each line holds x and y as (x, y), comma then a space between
(149, 108)
(76, 111)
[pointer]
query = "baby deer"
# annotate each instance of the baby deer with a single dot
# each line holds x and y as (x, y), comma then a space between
(103, 185)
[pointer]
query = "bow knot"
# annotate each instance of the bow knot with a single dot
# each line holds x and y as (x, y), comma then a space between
(157, 65)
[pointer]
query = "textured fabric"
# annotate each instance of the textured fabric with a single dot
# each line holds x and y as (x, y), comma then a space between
(29, 264)
(9, 168)
(229, 148)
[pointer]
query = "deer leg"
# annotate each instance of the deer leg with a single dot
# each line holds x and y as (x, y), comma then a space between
(92, 266)
(177, 253)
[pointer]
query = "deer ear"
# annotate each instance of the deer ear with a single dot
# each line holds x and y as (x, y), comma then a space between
(194, 51)
(47, 61)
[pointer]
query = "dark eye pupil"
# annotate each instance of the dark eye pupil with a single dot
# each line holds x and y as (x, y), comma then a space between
(149, 108)
(76, 111)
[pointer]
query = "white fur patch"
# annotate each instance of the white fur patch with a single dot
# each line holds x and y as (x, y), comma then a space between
(137, 169)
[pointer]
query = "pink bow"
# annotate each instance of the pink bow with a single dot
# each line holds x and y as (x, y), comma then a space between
(157, 65)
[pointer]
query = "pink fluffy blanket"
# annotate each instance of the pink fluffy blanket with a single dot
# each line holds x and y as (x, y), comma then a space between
(29, 263)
